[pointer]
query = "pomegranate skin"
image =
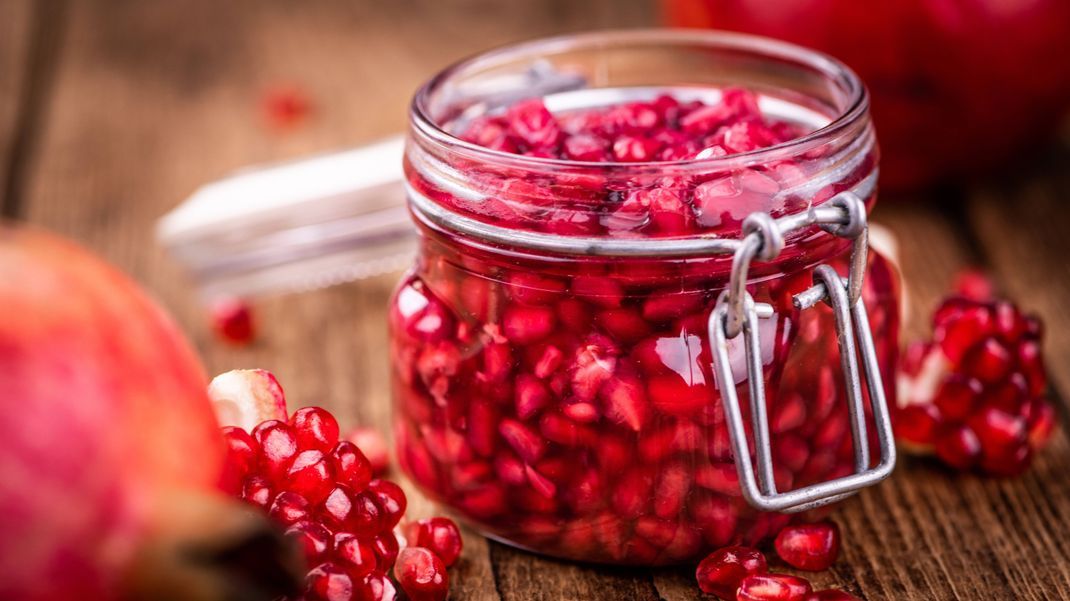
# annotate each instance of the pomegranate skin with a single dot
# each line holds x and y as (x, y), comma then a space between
(105, 411)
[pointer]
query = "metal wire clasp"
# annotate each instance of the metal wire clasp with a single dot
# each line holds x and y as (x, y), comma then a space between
(736, 312)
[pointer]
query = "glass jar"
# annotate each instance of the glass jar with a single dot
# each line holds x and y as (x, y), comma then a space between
(554, 378)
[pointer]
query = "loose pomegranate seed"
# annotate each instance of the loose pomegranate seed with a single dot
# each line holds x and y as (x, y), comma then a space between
(440, 535)
(232, 321)
(721, 572)
(421, 574)
(975, 395)
(285, 106)
(773, 587)
(813, 547)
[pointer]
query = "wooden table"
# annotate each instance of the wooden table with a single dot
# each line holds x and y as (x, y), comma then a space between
(113, 111)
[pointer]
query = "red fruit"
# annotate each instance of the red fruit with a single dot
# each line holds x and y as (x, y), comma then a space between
(278, 446)
(315, 428)
(232, 321)
(108, 418)
(285, 106)
(524, 325)
(440, 535)
(315, 540)
(721, 571)
(310, 475)
(534, 125)
(350, 466)
(974, 398)
(289, 508)
(773, 587)
(812, 547)
(357, 556)
(422, 575)
(241, 459)
(329, 582)
(372, 444)
(391, 499)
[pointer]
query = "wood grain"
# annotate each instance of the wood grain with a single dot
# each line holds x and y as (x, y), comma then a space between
(138, 103)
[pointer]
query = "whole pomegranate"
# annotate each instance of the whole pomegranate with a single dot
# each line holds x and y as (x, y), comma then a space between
(957, 87)
(109, 450)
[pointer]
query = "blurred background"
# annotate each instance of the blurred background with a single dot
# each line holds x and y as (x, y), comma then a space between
(114, 111)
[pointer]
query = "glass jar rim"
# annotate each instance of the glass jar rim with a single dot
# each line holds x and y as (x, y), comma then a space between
(856, 105)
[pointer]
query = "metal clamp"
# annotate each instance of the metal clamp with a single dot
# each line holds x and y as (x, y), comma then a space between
(736, 312)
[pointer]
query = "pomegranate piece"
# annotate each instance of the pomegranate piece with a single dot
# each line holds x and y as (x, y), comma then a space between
(721, 572)
(440, 535)
(247, 397)
(421, 574)
(321, 489)
(232, 321)
(812, 547)
(773, 587)
(975, 394)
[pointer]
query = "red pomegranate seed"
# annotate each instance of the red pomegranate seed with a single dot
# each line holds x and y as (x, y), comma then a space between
(313, 538)
(310, 476)
(289, 508)
(526, 443)
(531, 396)
(315, 428)
(329, 582)
(773, 587)
(721, 572)
(278, 445)
(233, 322)
(624, 401)
(285, 107)
(257, 490)
(366, 516)
(974, 284)
(391, 499)
(357, 556)
(440, 535)
(813, 547)
(958, 447)
(241, 459)
(533, 124)
(421, 574)
(375, 587)
(386, 549)
(524, 325)
(350, 466)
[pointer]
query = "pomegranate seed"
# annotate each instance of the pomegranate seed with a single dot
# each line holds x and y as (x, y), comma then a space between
(313, 538)
(958, 447)
(285, 106)
(440, 535)
(310, 476)
(278, 445)
(241, 458)
(232, 320)
(531, 396)
(533, 124)
(315, 429)
(366, 517)
(289, 508)
(773, 587)
(257, 490)
(721, 572)
(386, 549)
(813, 547)
(421, 574)
(329, 582)
(350, 466)
(524, 325)
(357, 556)
(391, 499)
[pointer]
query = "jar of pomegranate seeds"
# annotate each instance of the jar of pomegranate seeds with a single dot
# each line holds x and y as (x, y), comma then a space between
(643, 322)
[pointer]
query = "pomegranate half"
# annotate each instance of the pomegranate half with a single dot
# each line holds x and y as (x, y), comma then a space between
(110, 454)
